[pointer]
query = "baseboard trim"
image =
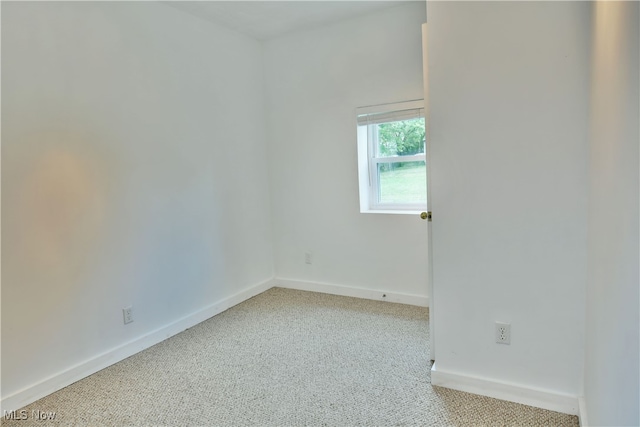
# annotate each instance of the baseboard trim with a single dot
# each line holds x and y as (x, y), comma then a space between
(63, 379)
(582, 409)
(513, 393)
(349, 291)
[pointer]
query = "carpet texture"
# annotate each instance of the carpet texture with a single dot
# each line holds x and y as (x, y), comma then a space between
(285, 358)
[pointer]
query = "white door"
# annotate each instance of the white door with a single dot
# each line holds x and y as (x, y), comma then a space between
(428, 257)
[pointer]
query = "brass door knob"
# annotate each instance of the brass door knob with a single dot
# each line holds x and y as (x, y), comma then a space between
(426, 215)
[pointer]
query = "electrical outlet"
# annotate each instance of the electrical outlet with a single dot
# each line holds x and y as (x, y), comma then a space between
(307, 258)
(127, 314)
(503, 333)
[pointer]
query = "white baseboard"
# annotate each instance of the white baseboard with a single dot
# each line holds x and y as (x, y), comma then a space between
(582, 412)
(69, 376)
(513, 393)
(347, 291)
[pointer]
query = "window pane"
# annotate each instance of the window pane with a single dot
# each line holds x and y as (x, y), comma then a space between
(401, 138)
(402, 182)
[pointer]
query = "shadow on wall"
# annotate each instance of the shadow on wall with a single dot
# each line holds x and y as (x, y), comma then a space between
(53, 215)
(80, 214)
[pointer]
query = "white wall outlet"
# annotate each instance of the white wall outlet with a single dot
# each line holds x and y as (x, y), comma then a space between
(503, 333)
(307, 258)
(127, 315)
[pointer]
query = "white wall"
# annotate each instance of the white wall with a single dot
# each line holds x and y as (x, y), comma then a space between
(315, 80)
(133, 172)
(508, 96)
(612, 355)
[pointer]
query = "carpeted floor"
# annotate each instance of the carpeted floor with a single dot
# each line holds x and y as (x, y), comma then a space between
(285, 358)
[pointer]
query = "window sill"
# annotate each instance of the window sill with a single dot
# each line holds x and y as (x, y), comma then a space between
(393, 211)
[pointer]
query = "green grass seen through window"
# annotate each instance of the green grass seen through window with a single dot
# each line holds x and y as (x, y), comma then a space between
(405, 184)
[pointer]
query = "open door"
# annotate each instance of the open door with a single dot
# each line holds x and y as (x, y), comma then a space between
(428, 215)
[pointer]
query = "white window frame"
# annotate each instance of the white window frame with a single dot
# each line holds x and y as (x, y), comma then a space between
(368, 119)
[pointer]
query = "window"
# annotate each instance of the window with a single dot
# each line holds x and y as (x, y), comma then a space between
(391, 158)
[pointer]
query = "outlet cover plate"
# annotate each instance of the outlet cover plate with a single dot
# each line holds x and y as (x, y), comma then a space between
(127, 315)
(503, 333)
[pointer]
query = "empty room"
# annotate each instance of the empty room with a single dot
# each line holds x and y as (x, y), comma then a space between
(320, 213)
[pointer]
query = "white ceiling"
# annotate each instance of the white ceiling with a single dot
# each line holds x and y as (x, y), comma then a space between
(265, 20)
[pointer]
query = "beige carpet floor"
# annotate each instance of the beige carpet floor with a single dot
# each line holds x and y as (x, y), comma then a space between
(285, 358)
